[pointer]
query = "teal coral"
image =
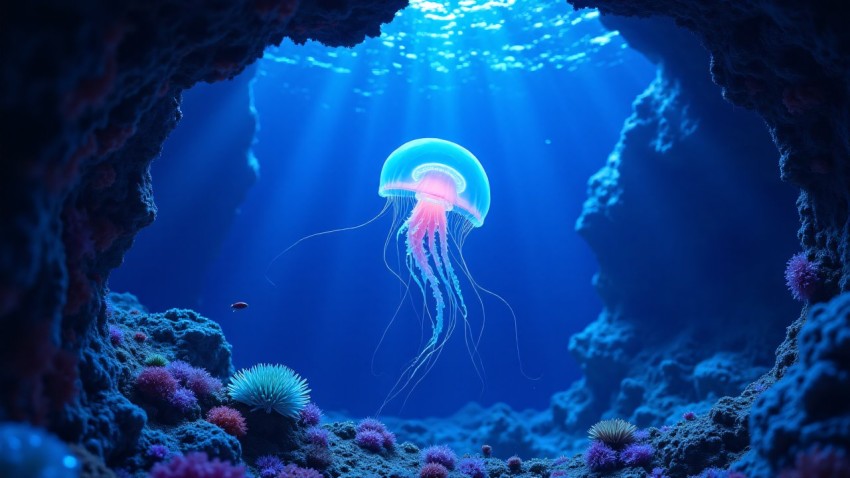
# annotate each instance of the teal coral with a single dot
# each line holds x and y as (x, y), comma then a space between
(271, 388)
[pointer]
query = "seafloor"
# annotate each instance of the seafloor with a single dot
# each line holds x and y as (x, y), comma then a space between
(94, 384)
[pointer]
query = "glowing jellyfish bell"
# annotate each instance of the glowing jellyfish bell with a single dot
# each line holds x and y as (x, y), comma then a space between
(439, 177)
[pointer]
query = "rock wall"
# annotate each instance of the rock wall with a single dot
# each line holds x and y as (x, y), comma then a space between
(91, 90)
(686, 222)
(788, 63)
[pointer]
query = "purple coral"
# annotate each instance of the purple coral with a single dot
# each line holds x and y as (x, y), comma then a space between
(472, 467)
(637, 455)
(600, 457)
(293, 471)
(183, 399)
(196, 465)
(157, 383)
(116, 335)
(196, 379)
(158, 452)
(689, 416)
(370, 440)
(373, 435)
(269, 465)
(433, 470)
(317, 437)
(311, 415)
(802, 276)
(439, 454)
(514, 464)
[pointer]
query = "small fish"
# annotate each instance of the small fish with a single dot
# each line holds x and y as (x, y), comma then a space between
(238, 306)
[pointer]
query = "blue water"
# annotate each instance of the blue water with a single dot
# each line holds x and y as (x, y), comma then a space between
(536, 91)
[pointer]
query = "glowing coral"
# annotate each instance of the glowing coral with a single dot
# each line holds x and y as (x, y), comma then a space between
(229, 420)
(270, 388)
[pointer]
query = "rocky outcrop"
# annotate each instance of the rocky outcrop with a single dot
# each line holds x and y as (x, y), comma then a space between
(91, 90)
(684, 222)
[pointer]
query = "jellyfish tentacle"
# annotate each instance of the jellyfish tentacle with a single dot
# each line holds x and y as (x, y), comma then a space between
(453, 279)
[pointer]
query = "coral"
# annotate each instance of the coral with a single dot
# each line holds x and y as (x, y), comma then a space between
(116, 335)
(690, 416)
(183, 399)
(195, 379)
(269, 465)
(657, 473)
(433, 470)
(310, 415)
(637, 455)
(293, 471)
(371, 424)
(156, 383)
(27, 451)
(370, 440)
(514, 464)
(156, 360)
(439, 454)
(819, 463)
(615, 433)
(600, 457)
(317, 436)
(486, 451)
(158, 452)
(373, 435)
(196, 465)
(229, 420)
(472, 467)
(270, 387)
(141, 337)
(802, 276)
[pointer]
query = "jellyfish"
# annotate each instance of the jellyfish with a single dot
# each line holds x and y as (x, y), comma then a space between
(450, 195)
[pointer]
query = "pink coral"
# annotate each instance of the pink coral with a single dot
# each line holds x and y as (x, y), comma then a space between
(157, 383)
(229, 420)
(433, 470)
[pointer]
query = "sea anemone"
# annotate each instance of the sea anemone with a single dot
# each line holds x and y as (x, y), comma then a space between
(269, 465)
(472, 467)
(486, 450)
(183, 399)
(600, 457)
(439, 454)
(514, 464)
(311, 415)
(116, 335)
(637, 455)
(195, 379)
(615, 433)
(270, 387)
(802, 276)
(370, 440)
(157, 383)
(140, 337)
(689, 416)
(156, 360)
(229, 420)
(196, 465)
(433, 470)
(317, 436)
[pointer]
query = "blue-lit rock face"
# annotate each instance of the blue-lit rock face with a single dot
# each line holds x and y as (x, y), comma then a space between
(809, 408)
(92, 90)
(677, 248)
(782, 62)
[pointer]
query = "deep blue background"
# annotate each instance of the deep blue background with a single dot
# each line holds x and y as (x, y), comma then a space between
(540, 135)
